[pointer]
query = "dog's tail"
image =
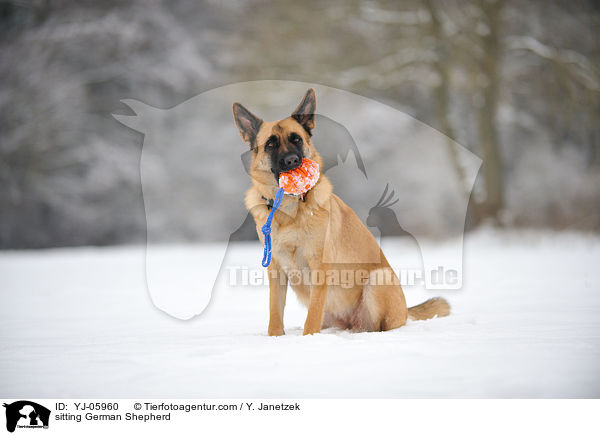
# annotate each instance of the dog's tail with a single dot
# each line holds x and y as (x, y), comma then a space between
(428, 309)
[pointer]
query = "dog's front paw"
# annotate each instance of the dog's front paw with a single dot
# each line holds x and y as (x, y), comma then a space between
(310, 331)
(276, 330)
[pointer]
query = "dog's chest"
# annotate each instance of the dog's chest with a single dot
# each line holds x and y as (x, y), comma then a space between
(295, 247)
(288, 250)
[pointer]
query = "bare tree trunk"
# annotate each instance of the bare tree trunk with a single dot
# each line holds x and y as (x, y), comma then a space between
(442, 91)
(488, 108)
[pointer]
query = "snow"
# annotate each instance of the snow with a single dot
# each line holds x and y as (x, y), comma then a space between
(79, 323)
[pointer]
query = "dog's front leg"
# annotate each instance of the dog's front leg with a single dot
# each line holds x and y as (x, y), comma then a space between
(316, 307)
(277, 291)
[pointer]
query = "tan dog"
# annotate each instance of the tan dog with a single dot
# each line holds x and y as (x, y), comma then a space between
(317, 238)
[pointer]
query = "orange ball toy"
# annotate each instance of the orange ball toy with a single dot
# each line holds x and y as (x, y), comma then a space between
(300, 180)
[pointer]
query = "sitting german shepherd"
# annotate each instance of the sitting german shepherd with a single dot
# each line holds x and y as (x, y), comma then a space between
(311, 231)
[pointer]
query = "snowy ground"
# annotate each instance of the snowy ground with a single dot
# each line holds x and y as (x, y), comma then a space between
(79, 323)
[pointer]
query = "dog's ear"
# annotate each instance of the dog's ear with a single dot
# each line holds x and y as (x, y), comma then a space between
(305, 112)
(246, 122)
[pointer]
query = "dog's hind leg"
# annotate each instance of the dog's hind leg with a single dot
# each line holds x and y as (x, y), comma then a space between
(383, 302)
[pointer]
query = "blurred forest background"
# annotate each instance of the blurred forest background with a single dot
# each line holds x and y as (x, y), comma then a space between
(517, 82)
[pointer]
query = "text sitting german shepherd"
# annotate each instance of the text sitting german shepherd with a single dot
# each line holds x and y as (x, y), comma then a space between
(309, 232)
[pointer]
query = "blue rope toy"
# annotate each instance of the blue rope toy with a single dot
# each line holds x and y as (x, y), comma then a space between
(266, 228)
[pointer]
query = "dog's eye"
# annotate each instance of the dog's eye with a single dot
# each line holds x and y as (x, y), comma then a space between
(295, 139)
(272, 142)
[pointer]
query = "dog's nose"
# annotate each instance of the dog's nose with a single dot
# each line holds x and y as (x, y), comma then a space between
(290, 161)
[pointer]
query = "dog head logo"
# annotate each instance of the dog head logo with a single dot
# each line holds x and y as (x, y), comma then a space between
(26, 414)
(190, 176)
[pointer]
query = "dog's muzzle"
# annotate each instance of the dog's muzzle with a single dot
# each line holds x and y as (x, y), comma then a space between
(289, 161)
